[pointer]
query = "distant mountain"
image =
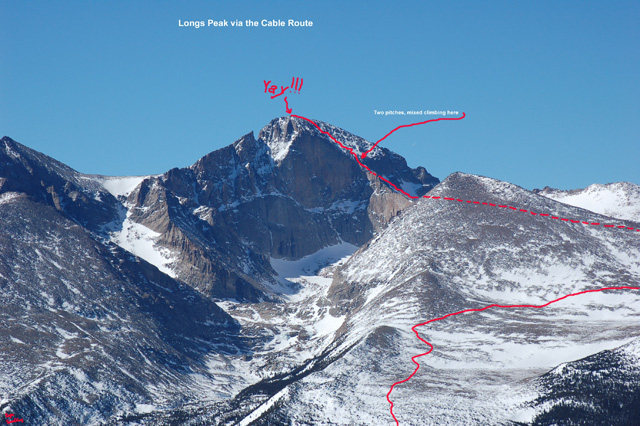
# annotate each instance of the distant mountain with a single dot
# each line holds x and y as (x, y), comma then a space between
(620, 199)
(48, 181)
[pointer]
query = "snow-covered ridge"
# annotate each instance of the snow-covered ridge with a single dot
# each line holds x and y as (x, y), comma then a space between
(121, 185)
(280, 133)
(620, 200)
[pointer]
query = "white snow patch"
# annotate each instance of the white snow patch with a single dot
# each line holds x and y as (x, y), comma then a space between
(141, 241)
(65, 334)
(121, 185)
(312, 263)
(8, 196)
(328, 325)
(264, 407)
(145, 408)
(60, 354)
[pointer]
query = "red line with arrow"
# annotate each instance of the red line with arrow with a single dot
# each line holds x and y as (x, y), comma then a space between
(364, 154)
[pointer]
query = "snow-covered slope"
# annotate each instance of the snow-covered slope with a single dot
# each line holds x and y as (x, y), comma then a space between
(318, 271)
(90, 332)
(120, 185)
(620, 199)
(141, 241)
(441, 257)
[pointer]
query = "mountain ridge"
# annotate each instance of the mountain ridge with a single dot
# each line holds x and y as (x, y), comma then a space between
(198, 222)
(276, 279)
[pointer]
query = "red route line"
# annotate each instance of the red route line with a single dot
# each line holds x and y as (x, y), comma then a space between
(480, 310)
(357, 158)
(504, 206)
(364, 154)
(547, 215)
(406, 194)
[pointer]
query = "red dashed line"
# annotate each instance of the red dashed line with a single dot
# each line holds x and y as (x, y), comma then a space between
(406, 194)
(629, 228)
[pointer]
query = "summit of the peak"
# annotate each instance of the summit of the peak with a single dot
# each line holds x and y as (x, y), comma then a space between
(280, 132)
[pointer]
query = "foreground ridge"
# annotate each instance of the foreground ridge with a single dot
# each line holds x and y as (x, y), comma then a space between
(413, 359)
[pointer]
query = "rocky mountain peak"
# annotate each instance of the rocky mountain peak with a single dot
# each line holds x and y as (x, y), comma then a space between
(22, 156)
(285, 194)
(217, 224)
(280, 133)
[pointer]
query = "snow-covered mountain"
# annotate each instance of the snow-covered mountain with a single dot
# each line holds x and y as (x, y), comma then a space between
(275, 281)
(285, 195)
(441, 257)
(90, 332)
(105, 272)
(620, 199)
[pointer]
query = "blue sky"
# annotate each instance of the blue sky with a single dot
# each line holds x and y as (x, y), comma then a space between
(550, 89)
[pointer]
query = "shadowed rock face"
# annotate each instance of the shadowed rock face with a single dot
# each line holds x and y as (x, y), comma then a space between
(286, 194)
(47, 180)
(88, 329)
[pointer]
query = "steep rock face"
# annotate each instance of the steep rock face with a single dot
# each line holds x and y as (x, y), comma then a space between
(45, 179)
(89, 331)
(384, 205)
(287, 194)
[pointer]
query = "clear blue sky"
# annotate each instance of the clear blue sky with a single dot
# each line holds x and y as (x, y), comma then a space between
(550, 89)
